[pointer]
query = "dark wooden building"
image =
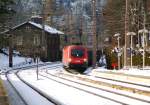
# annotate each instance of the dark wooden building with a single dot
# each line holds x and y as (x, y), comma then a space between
(32, 39)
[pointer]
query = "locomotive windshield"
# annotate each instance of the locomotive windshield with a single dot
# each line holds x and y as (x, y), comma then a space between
(77, 52)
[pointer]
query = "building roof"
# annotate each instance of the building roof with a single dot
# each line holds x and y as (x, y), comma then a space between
(46, 28)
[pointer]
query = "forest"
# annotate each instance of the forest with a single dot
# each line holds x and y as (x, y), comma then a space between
(75, 19)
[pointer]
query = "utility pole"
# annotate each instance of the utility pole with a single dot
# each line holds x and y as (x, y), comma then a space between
(94, 33)
(10, 44)
(125, 37)
(37, 68)
(44, 38)
(10, 50)
(81, 23)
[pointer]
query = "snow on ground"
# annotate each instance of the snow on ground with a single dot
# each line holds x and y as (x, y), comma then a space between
(132, 71)
(27, 92)
(65, 94)
(61, 92)
(136, 71)
(88, 71)
(17, 60)
(4, 60)
(68, 95)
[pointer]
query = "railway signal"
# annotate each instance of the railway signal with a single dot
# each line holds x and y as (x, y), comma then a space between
(144, 32)
(131, 46)
(118, 38)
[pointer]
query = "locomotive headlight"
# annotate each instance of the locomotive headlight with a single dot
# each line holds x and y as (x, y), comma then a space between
(69, 60)
(85, 60)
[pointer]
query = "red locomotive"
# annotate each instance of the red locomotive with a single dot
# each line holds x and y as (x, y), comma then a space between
(75, 56)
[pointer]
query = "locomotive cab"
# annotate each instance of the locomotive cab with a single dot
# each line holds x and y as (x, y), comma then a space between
(75, 56)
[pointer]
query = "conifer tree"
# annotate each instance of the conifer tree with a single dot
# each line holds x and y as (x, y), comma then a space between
(5, 11)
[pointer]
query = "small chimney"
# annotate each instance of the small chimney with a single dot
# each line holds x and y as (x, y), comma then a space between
(36, 19)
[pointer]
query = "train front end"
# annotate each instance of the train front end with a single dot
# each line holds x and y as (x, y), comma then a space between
(77, 57)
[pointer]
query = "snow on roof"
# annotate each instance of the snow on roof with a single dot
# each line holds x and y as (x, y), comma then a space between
(46, 28)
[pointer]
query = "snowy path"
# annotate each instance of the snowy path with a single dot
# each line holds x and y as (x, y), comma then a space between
(73, 96)
(67, 92)
(74, 78)
(29, 95)
(100, 91)
(129, 76)
(63, 93)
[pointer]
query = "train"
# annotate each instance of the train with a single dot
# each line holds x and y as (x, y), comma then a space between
(75, 56)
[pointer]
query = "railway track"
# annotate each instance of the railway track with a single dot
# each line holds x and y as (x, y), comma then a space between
(51, 100)
(115, 84)
(135, 79)
(30, 66)
(18, 92)
(99, 88)
(73, 71)
(100, 81)
(10, 83)
(90, 83)
(57, 66)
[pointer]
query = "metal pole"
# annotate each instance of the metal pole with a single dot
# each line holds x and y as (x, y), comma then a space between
(44, 39)
(131, 50)
(81, 23)
(118, 37)
(143, 51)
(131, 34)
(118, 53)
(144, 31)
(10, 51)
(126, 29)
(37, 70)
(94, 32)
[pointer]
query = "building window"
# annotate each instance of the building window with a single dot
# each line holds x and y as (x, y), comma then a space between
(28, 28)
(19, 40)
(36, 41)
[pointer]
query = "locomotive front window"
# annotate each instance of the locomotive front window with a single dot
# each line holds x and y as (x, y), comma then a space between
(77, 52)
